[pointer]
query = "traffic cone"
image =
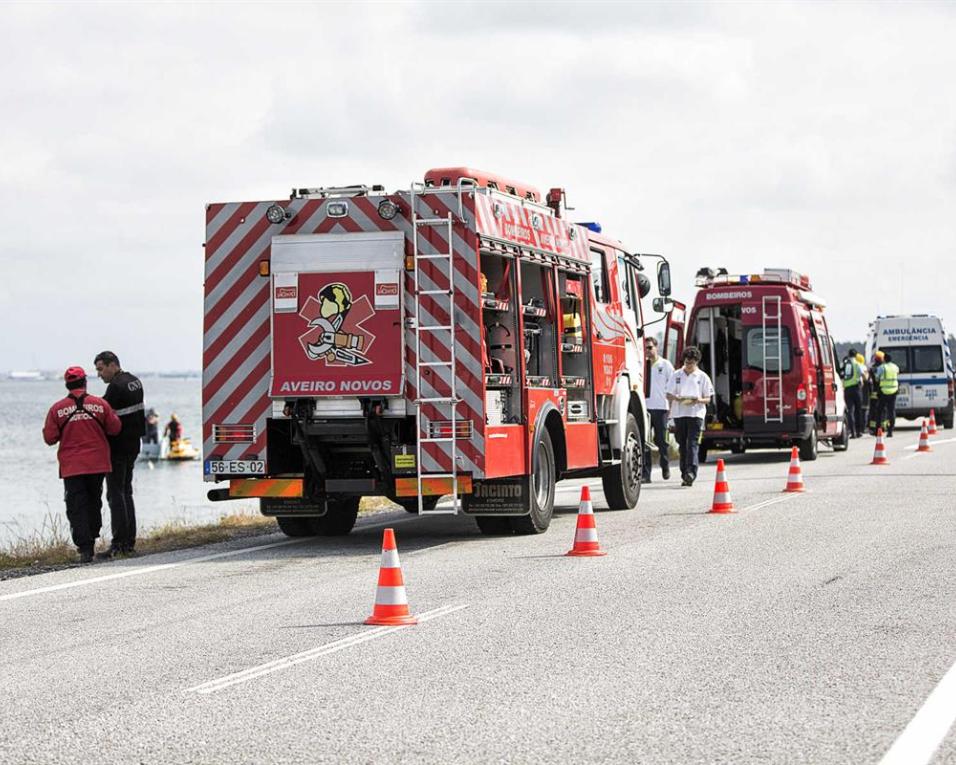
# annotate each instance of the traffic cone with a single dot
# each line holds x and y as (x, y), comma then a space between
(879, 452)
(795, 476)
(932, 422)
(585, 534)
(924, 439)
(391, 602)
(722, 502)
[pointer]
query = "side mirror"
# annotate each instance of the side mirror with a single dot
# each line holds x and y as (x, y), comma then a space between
(664, 278)
(662, 305)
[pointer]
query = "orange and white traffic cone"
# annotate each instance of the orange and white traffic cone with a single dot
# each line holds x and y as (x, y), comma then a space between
(924, 439)
(391, 602)
(722, 501)
(585, 534)
(879, 452)
(932, 422)
(795, 476)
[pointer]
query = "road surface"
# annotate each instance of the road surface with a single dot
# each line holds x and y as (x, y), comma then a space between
(804, 628)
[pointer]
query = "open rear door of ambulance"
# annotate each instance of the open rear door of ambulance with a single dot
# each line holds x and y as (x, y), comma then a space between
(337, 315)
(673, 345)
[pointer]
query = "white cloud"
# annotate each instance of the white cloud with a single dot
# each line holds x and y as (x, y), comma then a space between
(819, 136)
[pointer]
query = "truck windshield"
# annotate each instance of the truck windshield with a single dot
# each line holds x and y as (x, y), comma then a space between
(777, 359)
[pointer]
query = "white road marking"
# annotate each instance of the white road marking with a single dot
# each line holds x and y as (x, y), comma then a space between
(313, 653)
(932, 442)
(177, 564)
(773, 501)
(926, 731)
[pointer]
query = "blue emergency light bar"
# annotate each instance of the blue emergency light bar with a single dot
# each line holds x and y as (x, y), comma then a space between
(591, 226)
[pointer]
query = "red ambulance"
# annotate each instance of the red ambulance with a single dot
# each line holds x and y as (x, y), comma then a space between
(768, 350)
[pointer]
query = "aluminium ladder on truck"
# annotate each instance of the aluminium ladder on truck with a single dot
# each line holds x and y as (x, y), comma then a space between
(445, 300)
(772, 348)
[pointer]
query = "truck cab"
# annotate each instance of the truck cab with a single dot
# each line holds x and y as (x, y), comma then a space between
(767, 348)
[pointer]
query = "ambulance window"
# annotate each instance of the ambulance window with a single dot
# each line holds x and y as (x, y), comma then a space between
(926, 358)
(777, 359)
(673, 340)
(598, 276)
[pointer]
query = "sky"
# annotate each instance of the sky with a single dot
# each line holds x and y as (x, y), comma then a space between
(815, 136)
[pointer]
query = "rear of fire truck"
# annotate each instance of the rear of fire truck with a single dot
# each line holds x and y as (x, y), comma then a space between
(346, 354)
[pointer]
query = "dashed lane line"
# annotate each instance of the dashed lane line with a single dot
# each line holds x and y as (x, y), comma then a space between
(286, 662)
(933, 442)
(176, 564)
(772, 501)
(920, 739)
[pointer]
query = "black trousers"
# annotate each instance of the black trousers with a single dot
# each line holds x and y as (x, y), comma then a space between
(688, 440)
(853, 396)
(84, 504)
(119, 493)
(887, 412)
(659, 431)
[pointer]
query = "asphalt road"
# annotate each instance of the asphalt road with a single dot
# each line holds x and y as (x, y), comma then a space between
(804, 628)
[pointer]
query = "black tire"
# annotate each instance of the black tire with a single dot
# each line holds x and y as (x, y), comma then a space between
(702, 450)
(543, 479)
(809, 447)
(494, 525)
(946, 418)
(737, 449)
(622, 482)
(411, 504)
(297, 526)
(842, 443)
(339, 517)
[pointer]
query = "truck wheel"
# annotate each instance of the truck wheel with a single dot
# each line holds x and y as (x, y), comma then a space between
(808, 447)
(542, 489)
(296, 526)
(842, 443)
(493, 525)
(339, 517)
(702, 450)
(737, 449)
(411, 504)
(622, 483)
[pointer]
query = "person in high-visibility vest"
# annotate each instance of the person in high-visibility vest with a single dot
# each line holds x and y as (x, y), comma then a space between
(888, 382)
(873, 404)
(854, 374)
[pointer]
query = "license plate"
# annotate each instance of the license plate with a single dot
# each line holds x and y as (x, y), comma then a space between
(235, 467)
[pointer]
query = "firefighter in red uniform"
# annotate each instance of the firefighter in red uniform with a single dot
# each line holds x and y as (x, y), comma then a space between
(80, 423)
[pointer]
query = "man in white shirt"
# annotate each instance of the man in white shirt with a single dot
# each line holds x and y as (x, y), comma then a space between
(660, 371)
(689, 392)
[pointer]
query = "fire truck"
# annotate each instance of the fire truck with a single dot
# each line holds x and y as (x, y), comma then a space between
(459, 338)
(766, 345)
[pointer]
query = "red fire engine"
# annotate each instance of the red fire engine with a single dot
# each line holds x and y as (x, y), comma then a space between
(767, 348)
(459, 338)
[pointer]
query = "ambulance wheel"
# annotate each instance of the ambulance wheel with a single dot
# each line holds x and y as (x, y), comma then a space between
(339, 517)
(946, 418)
(296, 526)
(411, 504)
(842, 443)
(493, 525)
(622, 483)
(808, 447)
(542, 489)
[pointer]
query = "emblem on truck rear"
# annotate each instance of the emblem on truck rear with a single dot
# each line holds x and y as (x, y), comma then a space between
(335, 331)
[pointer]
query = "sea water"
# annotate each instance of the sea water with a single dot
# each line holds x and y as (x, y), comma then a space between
(31, 492)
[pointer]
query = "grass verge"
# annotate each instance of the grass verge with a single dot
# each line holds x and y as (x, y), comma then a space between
(51, 548)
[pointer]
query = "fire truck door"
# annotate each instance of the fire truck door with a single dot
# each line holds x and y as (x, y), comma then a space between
(673, 345)
(827, 388)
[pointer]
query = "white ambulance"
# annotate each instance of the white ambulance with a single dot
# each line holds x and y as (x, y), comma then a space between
(918, 347)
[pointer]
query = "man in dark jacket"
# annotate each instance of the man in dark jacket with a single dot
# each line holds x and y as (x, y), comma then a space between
(80, 423)
(124, 392)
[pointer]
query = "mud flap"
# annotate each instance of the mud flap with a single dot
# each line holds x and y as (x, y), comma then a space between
(502, 496)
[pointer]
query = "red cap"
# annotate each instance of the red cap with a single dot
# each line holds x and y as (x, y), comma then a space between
(73, 374)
